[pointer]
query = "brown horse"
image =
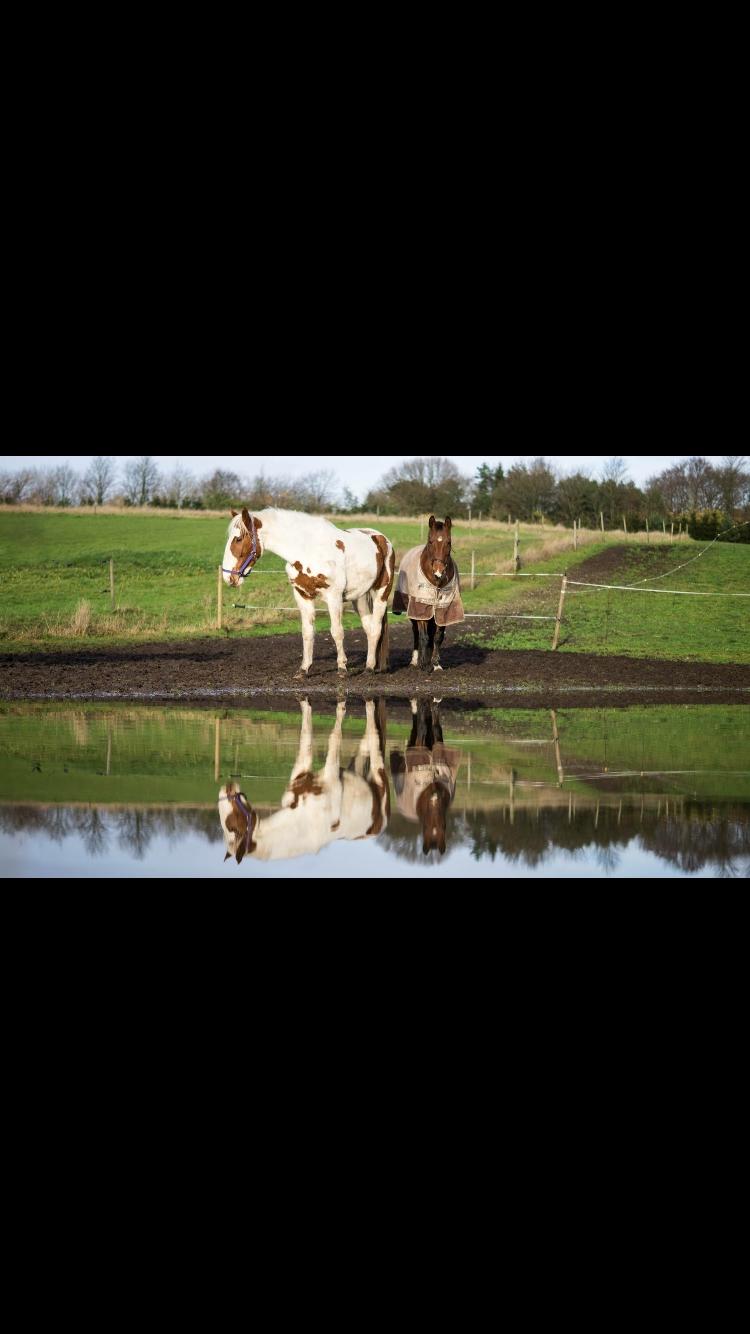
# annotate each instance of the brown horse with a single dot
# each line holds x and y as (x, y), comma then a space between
(429, 591)
(425, 777)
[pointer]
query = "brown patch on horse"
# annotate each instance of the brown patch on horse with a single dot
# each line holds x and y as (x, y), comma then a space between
(335, 826)
(341, 545)
(391, 574)
(381, 543)
(303, 785)
(236, 823)
(378, 790)
(308, 585)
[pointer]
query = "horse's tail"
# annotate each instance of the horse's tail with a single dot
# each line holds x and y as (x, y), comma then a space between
(382, 660)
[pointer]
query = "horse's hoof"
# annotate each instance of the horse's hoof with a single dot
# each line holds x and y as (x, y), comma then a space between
(300, 675)
(437, 668)
(342, 671)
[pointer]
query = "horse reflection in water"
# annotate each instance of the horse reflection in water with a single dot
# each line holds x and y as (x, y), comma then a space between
(425, 777)
(317, 808)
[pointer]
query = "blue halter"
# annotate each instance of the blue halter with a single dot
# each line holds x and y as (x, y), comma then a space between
(249, 562)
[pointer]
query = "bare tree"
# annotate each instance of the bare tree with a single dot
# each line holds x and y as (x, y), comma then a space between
(141, 479)
(98, 480)
(179, 487)
(15, 487)
(733, 479)
(65, 482)
(615, 470)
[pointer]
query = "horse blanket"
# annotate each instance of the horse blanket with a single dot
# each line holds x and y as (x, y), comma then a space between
(423, 767)
(420, 599)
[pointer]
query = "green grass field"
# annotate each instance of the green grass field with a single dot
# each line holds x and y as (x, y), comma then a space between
(54, 586)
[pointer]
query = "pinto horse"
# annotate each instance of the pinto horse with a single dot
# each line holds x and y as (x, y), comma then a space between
(340, 565)
(429, 591)
(317, 808)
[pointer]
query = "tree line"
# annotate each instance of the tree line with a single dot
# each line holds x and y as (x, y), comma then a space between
(532, 491)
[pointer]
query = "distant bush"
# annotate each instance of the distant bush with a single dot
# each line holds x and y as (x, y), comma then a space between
(708, 525)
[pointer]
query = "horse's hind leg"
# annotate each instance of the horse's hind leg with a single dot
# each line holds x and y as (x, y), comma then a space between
(307, 614)
(371, 617)
(415, 654)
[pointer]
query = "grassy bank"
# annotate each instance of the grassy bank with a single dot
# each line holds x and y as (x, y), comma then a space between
(55, 590)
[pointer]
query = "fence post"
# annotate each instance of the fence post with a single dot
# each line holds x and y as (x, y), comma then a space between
(671, 535)
(220, 597)
(112, 582)
(625, 525)
(648, 535)
(575, 536)
(516, 557)
(472, 569)
(558, 620)
(664, 526)
(601, 516)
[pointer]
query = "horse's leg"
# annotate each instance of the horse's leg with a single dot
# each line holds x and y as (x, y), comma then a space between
(335, 604)
(332, 771)
(303, 762)
(423, 661)
(367, 617)
(307, 614)
(426, 639)
(440, 636)
(415, 654)
(414, 723)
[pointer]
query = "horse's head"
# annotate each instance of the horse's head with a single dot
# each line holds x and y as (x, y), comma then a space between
(432, 806)
(437, 553)
(243, 547)
(238, 822)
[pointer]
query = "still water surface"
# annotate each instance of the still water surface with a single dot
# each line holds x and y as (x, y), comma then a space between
(422, 790)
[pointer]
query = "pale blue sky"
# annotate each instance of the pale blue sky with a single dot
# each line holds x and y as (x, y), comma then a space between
(359, 472)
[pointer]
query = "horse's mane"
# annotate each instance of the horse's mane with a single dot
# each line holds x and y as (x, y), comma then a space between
(274, 509)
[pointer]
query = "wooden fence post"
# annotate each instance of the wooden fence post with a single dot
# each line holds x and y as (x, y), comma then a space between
(112, 583)
(625, 525)
(575, 536)
(671, 534)
(664, 526)
(648, 535)
(601, 516)
(472, 570)
(220, 597)
(516, 556)
(558, 621)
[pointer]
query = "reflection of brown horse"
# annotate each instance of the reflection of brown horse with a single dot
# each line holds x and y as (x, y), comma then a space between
(425, 777)
(317, 808)
(429, 591)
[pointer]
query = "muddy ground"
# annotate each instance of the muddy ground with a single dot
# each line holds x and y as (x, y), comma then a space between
(254, 670)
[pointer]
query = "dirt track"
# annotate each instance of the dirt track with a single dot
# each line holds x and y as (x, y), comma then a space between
(230, 669)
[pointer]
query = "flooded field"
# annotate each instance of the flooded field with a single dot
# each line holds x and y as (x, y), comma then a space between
(415, 787)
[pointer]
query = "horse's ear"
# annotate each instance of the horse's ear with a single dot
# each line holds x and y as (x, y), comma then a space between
(227, 855)
(448, 521)
(234, 513)
(246, 520)
(432, 521)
